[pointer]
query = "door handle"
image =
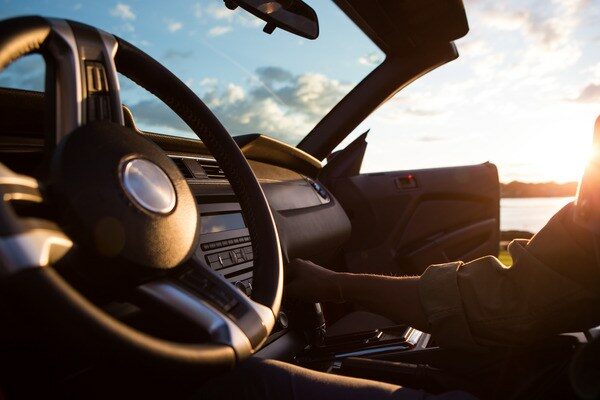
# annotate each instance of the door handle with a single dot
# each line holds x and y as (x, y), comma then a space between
(407, 181)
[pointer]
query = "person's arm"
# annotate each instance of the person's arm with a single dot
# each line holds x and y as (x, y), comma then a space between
(394, 297)
(550, 288)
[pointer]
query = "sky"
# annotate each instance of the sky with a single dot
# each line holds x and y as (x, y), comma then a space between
(278, 84)
(523, 94)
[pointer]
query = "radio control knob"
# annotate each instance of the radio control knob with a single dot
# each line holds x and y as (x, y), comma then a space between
(244, 287)
(282, 320)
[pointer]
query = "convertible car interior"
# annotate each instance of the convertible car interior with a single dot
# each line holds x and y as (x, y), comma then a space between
(142, 263)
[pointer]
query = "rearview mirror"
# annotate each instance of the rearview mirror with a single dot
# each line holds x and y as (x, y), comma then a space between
(294, 16)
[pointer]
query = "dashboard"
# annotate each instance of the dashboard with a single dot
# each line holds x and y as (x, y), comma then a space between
(311, 223)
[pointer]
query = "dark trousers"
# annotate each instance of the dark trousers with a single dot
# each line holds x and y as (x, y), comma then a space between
(273, 380)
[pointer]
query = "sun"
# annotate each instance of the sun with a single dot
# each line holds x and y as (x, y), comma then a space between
(559, 147)
(560, 160)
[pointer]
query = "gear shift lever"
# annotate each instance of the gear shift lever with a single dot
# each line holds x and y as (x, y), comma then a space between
(320, 326)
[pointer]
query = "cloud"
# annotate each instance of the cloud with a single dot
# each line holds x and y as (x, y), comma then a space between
(538, 41)
(234, 93)
(197, 10)
(123, 11)
(223, 20)
(155, 113)
(174, 26)
(279, 104)
(429, 138)
(473, 48)
(547, 31)
(421, 112)
(372, 59)
(127, 27)
(220, 12)
(310, 94)
(550, 26)
(171, 54)
(238, 17)
(594, 71)
(506, 20)
(209, 82)
(487, 65)
(271, 75)
(218, 30)
(285, 106)
(589, 94)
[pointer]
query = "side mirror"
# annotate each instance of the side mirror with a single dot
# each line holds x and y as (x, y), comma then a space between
(294, 16)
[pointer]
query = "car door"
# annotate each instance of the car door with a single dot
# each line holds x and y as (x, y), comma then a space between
(403, 221)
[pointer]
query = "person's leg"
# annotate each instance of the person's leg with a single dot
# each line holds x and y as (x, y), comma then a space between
(274, 380)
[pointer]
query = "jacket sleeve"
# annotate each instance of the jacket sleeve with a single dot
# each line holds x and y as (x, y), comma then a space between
(485, 303)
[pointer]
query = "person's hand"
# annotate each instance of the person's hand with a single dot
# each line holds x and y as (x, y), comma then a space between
(309, 282)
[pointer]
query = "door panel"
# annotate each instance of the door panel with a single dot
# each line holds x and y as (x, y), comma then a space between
(403, 221)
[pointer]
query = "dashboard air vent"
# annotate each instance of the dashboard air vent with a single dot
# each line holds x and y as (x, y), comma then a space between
(198, 168)
(212, 169)
(187, 174)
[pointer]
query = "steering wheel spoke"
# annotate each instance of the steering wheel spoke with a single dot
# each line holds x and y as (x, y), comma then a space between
(216, 307)
(25, 243)
(84, 76)
(200, 313)
(15, 186)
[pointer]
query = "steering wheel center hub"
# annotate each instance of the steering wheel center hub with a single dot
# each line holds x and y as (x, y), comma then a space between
(148, 186)
(123, 197)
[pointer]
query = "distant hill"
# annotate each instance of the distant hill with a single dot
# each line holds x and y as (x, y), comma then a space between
(548, 189)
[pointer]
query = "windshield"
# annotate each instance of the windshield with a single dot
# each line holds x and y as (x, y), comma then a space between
(280, 85)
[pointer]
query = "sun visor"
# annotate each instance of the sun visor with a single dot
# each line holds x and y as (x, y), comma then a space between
(401, 26)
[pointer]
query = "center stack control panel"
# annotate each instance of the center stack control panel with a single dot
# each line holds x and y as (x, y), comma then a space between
(225, 244)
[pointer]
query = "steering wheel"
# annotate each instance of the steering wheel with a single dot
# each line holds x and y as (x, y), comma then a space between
(125, 209)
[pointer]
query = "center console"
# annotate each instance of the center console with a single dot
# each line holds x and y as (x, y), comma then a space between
(225, 244)
(377, 343)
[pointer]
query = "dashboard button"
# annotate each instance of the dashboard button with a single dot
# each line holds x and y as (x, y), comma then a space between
(221, 299)
(227, 262)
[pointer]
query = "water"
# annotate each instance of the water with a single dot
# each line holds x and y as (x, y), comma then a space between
(529, 214)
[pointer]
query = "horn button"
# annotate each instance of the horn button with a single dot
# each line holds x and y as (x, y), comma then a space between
(148, 186)
(122, 197)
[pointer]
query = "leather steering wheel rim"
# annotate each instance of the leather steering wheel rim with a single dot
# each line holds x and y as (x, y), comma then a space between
(47, 295)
